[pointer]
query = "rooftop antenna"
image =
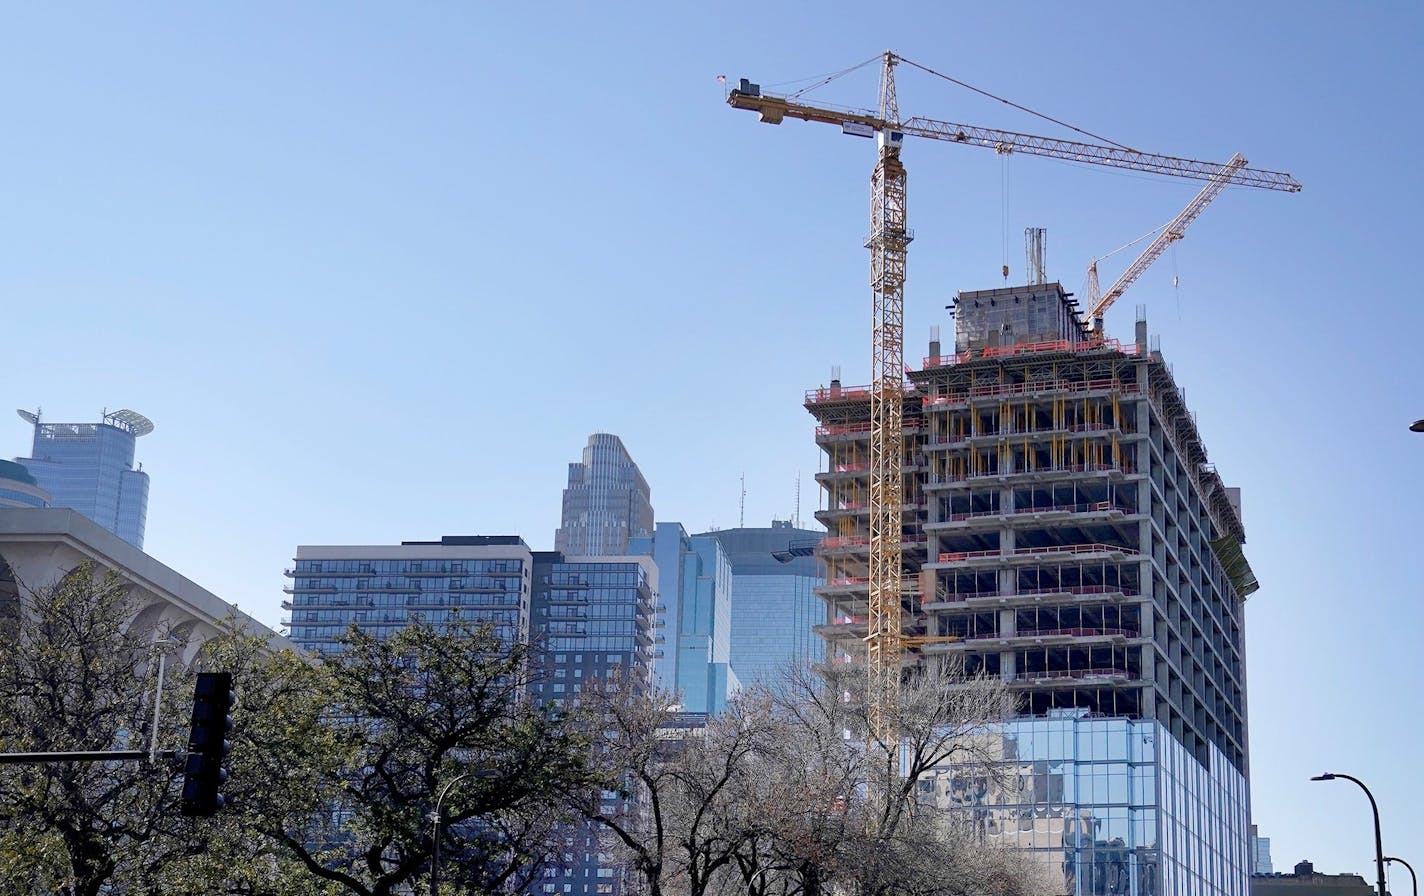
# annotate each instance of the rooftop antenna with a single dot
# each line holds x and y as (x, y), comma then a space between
(742, 507)
(796, 520)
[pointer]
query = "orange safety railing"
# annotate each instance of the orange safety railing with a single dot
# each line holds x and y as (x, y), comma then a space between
(1056, 345)
(850, 468)
(846, 429)
(838, 393)
(849, 580)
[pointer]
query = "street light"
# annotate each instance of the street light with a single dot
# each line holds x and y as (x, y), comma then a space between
(435, 818)
(1411, 871)
(1379, 843)
(1417, 426)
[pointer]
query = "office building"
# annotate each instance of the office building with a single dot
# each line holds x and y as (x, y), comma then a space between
(19, 489)
(382, 588)
(591, 618)
(585, 616)
(89, 467)
(774, 608)
(1260, 853)
(695, 628)
(1064, 531)
(607, 502)
(39, 546)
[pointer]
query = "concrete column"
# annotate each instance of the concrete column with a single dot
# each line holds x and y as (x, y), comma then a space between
(1008, 623)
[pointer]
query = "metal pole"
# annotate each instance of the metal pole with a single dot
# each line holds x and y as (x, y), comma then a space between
(81, 756)
(1411, 871)
(1379, 841)
(435, 843)
(157, 708)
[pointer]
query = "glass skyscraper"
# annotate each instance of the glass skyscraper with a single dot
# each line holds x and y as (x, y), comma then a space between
(89, 467)
(774, 607)
(591, 618)
(607, 502)
(695, 596)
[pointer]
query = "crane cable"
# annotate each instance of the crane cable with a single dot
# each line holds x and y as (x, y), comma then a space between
(826, 79)
(991, 96)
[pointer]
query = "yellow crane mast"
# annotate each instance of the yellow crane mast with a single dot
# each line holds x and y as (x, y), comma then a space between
(888, 242)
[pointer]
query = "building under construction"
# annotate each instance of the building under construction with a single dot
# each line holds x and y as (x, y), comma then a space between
(1064, 531)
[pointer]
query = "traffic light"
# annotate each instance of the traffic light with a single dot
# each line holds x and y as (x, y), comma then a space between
(207, 743)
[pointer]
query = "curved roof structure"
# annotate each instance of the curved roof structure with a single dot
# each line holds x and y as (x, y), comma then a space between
(133, 421)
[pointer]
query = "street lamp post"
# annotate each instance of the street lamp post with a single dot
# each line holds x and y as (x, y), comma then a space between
(1417, 426)
(1411, 871)
(435, 819)
(1379, 842)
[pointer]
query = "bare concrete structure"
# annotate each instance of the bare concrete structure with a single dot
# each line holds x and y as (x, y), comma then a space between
(1064, 531)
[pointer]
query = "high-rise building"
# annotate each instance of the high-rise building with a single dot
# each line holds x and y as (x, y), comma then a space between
(774, 609)
(586, 617)
(89, 467)
(1064, 532)
(607, 502)
(591, 618)
(694, 597)
(1260, 853)
(382, 588)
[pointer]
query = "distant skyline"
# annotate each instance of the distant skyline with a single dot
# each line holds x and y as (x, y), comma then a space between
(379, 272)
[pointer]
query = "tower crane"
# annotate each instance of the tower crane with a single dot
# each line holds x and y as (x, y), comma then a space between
(888, 243)
(1098, 303)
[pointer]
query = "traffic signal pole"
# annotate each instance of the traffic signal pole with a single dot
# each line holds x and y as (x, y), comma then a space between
(85, 756)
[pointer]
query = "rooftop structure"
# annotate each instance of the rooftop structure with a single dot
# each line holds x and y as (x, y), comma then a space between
(1063, 530)
(1306, 881)
(89, 467)
(607, 502)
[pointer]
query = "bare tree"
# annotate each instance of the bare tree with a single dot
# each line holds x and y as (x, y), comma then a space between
(786, 794)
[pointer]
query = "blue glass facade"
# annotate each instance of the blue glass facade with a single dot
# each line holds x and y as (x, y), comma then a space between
(89, 467)
(590, 617)
(1106, 806)
(774, 605)
(383, 588)
(695, 588)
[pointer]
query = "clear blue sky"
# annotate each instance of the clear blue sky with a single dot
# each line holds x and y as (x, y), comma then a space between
(377, 271)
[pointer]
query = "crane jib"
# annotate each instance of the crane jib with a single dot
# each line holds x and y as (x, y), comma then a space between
(774, 109)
